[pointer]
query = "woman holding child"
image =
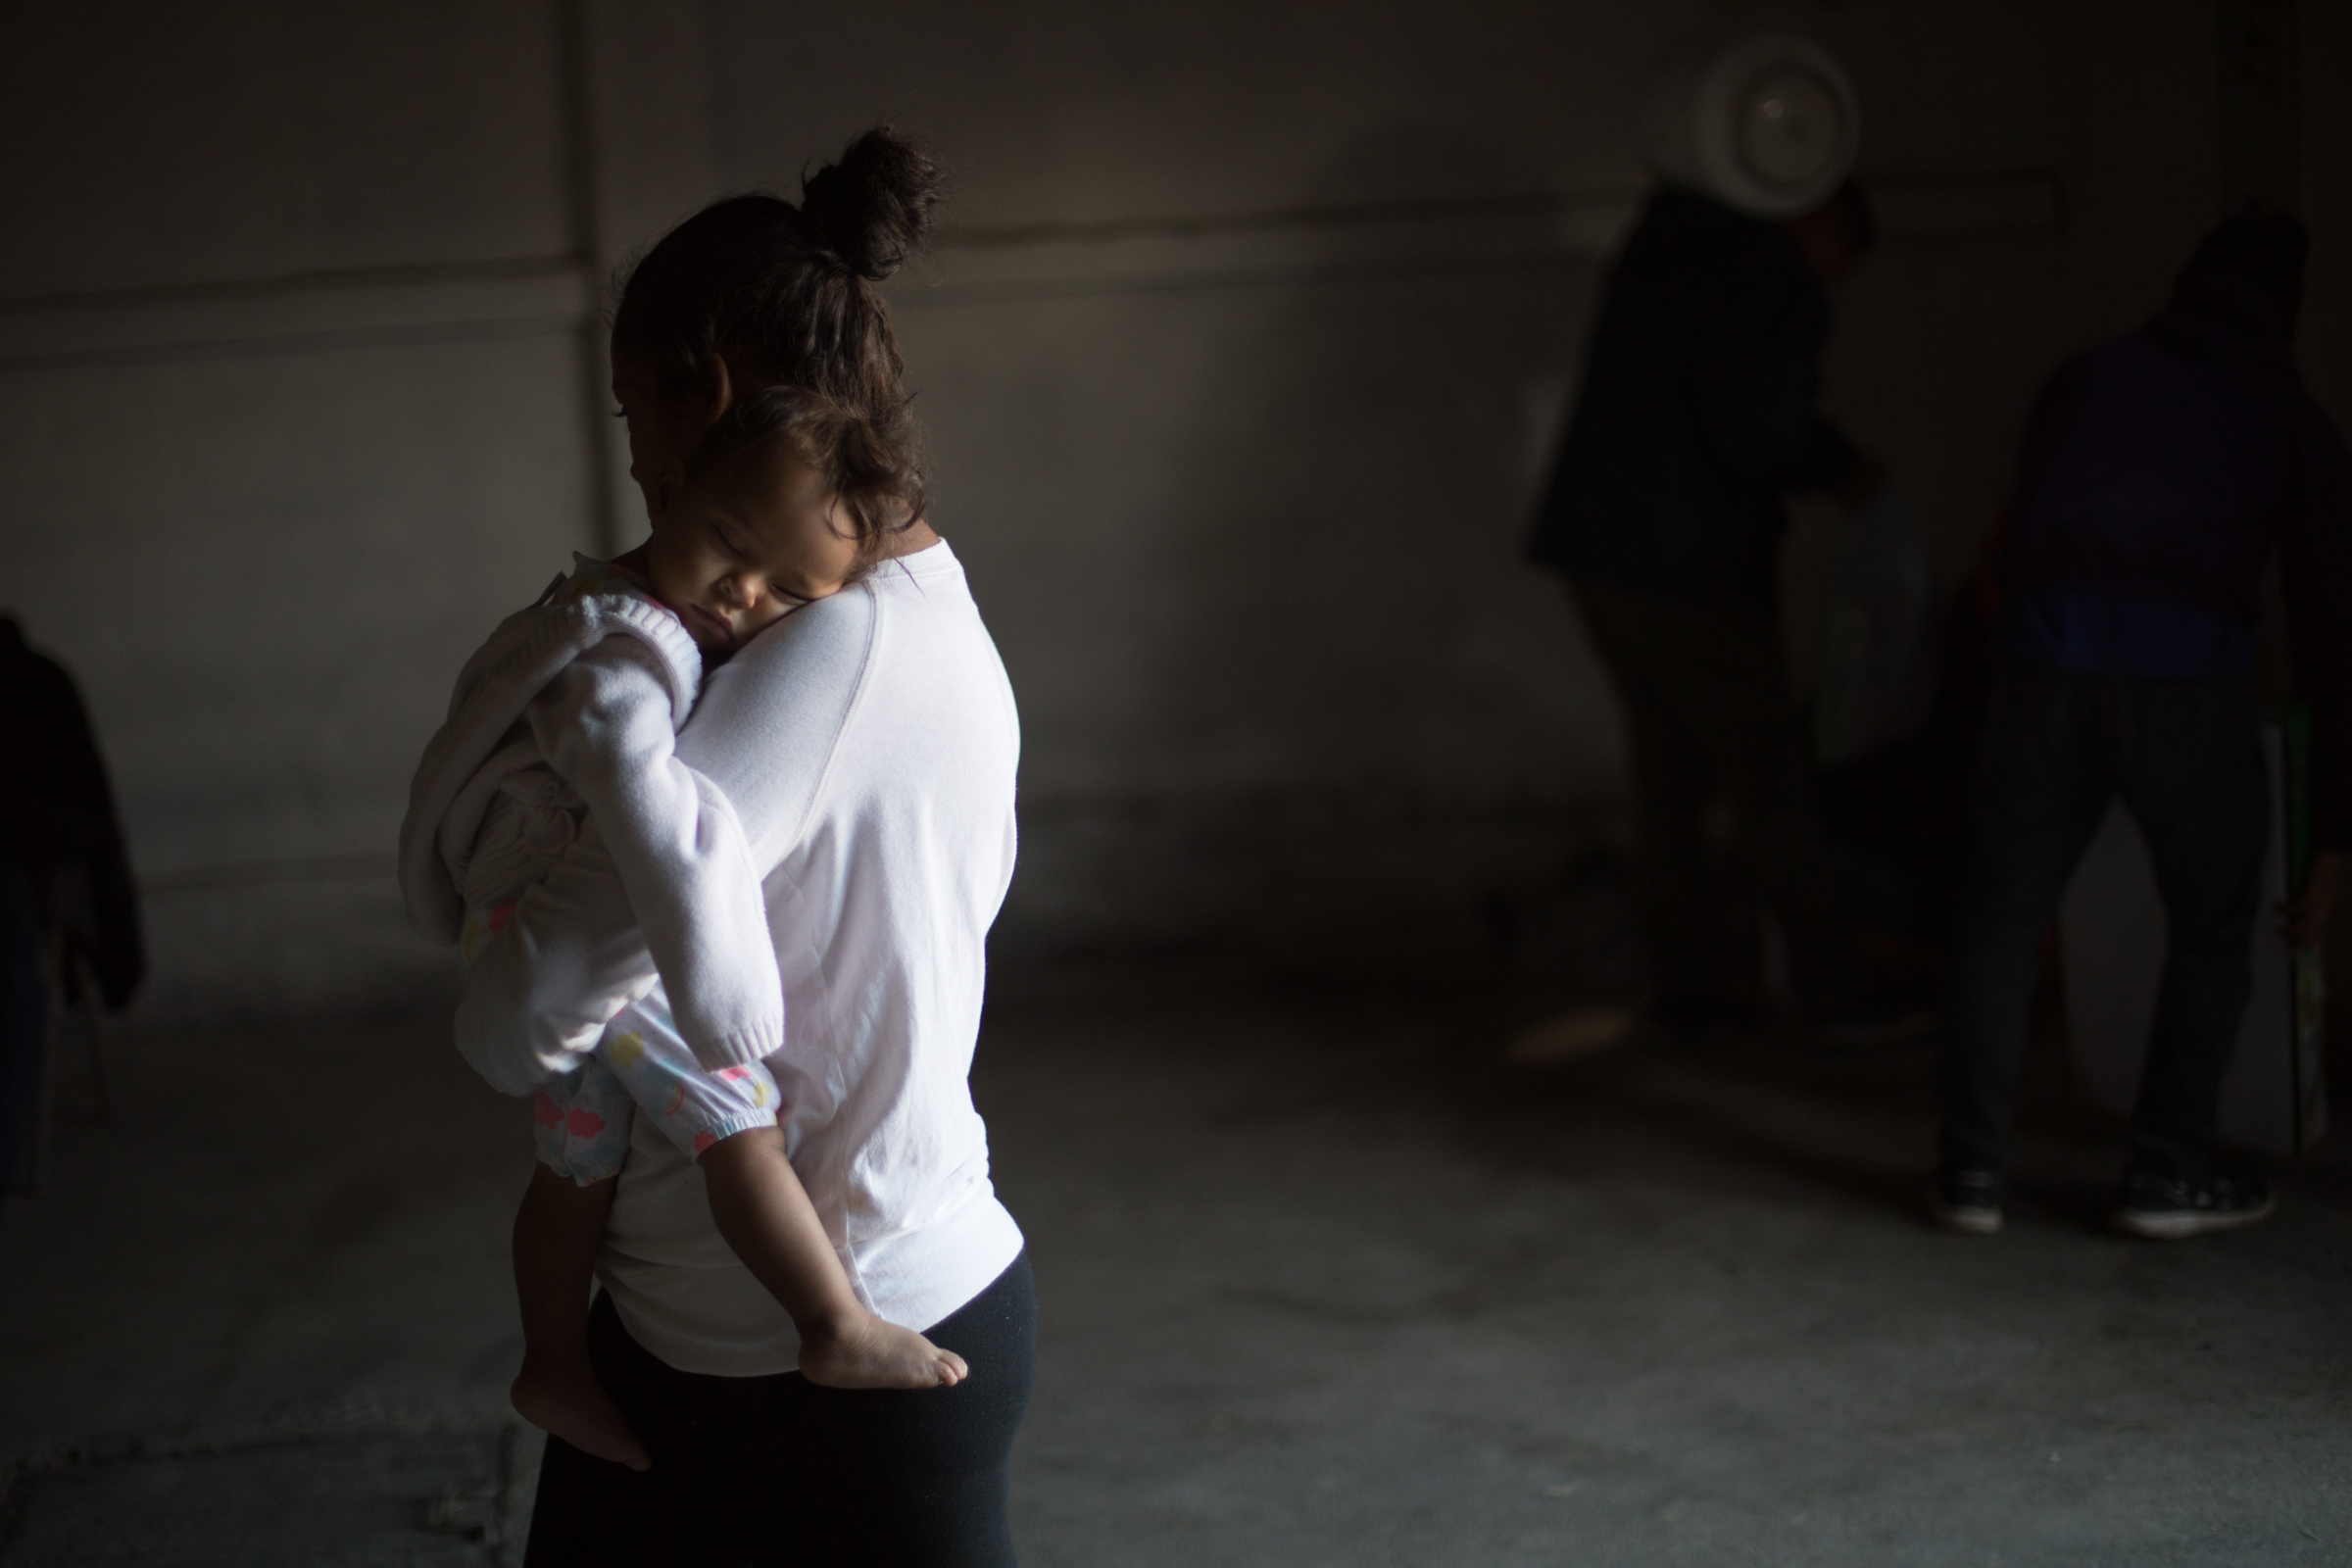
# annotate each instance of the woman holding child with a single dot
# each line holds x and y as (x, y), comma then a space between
(866, 742)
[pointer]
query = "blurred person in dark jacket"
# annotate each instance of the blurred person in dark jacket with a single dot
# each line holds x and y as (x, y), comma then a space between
(2157, 473)
(64, 874)
(1696, 421)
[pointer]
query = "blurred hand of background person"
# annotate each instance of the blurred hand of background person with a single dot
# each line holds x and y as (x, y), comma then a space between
(2303, 921)
(1832, 237)
(1863, 484)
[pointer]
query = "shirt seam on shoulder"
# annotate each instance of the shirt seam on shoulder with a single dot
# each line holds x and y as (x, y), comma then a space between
(824, 775)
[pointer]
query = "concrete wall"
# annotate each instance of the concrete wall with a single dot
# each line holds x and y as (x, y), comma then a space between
(290, 411)
(1239, 356)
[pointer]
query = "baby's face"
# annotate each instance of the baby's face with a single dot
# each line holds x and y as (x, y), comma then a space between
(744, 544)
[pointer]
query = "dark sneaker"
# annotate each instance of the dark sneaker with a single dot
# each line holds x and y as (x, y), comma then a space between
(2173, 1208)
(1966, 1200)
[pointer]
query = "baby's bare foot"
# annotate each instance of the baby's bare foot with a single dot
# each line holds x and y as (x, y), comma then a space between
(874, 1354)
(573, 1405)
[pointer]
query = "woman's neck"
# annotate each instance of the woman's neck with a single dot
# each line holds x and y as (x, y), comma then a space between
(917, 535)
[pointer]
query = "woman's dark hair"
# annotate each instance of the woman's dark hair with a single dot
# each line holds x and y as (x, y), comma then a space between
(786, 290)
(871, 468)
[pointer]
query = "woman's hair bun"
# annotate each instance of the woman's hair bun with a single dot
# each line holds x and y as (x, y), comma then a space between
(871, 207)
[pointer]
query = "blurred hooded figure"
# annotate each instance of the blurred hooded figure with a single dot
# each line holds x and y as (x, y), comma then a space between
(2156, 474)
(1696, 419)
(63, 872)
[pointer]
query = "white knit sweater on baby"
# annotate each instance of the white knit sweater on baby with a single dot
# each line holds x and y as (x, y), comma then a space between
(572, 707)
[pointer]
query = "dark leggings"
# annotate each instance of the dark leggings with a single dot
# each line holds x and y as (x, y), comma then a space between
(2185, 757)
(775, 1470)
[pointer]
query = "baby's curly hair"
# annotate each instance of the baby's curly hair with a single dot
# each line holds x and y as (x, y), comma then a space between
(868, 460)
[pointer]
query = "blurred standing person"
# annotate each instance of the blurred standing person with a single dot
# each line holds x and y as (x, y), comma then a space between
(63, 870)
(2157, 472)
(1696, 419)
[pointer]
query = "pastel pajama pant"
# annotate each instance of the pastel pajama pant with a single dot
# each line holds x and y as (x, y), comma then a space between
(582, 1118)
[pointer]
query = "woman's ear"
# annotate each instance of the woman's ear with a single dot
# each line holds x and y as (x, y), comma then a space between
(684, 425)
(719, 383)
(662, 491)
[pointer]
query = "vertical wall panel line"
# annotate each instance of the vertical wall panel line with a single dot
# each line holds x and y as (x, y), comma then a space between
(581, 176)
(2260, 119)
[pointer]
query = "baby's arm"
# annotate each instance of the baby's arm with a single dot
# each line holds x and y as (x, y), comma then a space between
(764, 1213)
(764, 730)
(607, 726)
(729, 1122)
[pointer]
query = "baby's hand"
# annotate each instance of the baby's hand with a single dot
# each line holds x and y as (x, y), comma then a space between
(871, 1353)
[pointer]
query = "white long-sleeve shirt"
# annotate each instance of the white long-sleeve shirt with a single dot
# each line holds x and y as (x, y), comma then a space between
(573, 706)
(868, 743)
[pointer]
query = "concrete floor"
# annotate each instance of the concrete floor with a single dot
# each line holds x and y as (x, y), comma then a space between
(1323, 1283)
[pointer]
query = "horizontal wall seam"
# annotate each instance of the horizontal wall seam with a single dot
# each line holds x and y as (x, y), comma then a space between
(1367, 242)
(1902, 188)
(1397, 241)
(418, 274)
(947, 294)
(276, 345)
(1185, 226)
(270, 874)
